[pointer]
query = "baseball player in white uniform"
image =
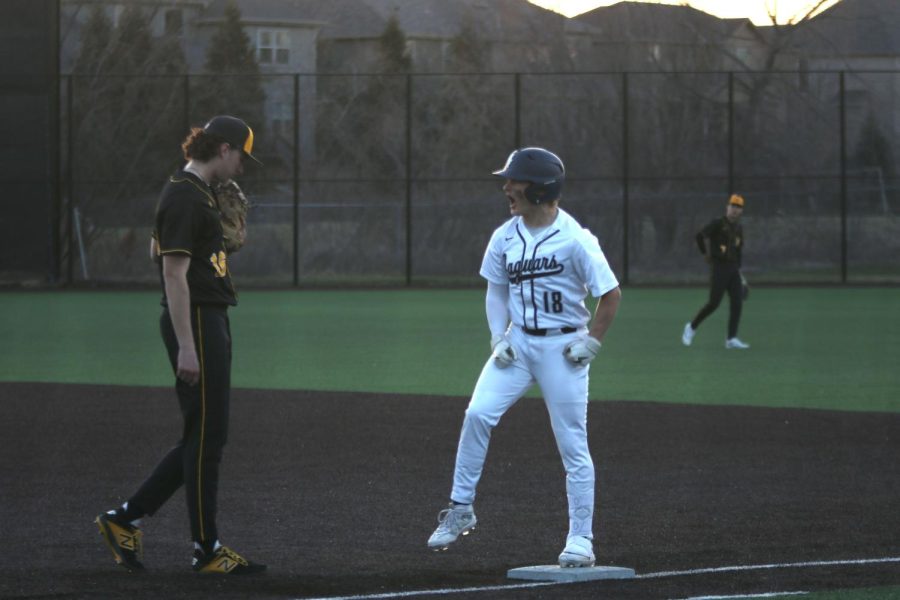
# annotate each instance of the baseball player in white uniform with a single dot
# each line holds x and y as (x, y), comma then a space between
(540, 266)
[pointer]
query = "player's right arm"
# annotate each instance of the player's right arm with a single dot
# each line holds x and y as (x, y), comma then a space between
(493, 269)
(498, 320)
(701, 243)
(495, 305)
(604, 313)
(178, 297)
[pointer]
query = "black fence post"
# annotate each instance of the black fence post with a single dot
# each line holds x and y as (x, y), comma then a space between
(70, 185)
(55, 163)
(296, 168)
(731, 132)
(59, 191)
(625, 177)
(843, 141)
(517, 109)
(409, 98)
(186, 90)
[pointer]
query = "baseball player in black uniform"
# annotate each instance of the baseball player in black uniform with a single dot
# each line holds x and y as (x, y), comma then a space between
(197, 291)
(725, 238)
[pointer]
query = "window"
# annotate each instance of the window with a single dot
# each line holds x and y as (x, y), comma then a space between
(273, 46)
(174, 22)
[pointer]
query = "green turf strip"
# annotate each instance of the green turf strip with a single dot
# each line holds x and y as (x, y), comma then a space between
(811, 347)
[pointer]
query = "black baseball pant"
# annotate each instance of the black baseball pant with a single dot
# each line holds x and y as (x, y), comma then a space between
(725, 276)
(194, 461)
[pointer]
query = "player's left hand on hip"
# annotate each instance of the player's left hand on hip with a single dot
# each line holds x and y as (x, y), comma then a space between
(582, 351)
(503, 352)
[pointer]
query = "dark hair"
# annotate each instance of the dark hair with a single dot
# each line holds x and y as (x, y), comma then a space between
(201, 145)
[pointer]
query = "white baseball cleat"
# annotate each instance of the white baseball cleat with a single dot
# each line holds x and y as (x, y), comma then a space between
(457, 520)
(735, 343)
(579, 552)
(687, 336)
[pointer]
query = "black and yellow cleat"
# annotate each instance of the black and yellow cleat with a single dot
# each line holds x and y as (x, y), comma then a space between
(225, 561)
(124, 539)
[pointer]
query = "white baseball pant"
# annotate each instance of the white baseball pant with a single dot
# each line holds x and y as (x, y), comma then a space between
(565, 390)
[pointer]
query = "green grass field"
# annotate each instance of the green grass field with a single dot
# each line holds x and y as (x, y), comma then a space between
(833, 348)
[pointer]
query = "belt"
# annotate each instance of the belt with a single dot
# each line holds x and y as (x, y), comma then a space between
(546, 332)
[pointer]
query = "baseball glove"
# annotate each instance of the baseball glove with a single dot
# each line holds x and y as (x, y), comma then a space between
(233, 205)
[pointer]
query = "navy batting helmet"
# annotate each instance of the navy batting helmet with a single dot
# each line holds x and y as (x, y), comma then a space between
(543, 169)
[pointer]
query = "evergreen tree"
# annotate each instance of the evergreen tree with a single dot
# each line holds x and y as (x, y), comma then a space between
(132, 43)
(468, 51)
(361, 124)
(874, 155)
(460, 104)
(235, 84)
(96, 37)
(873, 149)
(126, 120)
(230, 49)
(392, 52)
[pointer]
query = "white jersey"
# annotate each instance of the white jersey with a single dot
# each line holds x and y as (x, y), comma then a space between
(550, 275)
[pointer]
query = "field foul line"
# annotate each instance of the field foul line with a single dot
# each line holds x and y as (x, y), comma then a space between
(443, 592)
(741, 596)
(728, 569)
(812, 563)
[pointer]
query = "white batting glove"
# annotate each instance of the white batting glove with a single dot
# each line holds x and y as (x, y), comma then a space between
(582, 351)
(502, 351)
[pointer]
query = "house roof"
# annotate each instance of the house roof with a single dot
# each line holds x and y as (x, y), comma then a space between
(853, 28)
(494, 19)
(658, 23)
(289, 12)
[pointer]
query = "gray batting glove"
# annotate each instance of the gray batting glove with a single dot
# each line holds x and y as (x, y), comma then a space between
(502, 351)
(582, 351)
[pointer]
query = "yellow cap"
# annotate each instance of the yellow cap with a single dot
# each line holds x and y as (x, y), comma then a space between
(737, 200)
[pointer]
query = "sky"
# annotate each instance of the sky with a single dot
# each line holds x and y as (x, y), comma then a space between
(756, 10)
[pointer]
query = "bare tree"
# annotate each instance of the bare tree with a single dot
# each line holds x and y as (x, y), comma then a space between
(125, 121)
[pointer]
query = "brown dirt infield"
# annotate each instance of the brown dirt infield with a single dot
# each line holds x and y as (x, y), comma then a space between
(338, 493)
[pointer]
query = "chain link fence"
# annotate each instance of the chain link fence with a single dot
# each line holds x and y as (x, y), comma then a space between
(377, 179)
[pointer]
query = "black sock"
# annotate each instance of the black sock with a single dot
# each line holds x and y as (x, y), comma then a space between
(208, 547)
(130, 512)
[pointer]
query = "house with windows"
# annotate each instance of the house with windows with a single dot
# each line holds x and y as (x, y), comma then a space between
(639, 36)
(314, 37)
(512, 35)
(283, 36)
(309, 37)
(860, 38)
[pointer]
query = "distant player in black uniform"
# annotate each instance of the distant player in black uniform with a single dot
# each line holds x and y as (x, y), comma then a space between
(725, 238)
(197, 292)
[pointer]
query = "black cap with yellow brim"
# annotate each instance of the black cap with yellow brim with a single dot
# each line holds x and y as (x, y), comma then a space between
(234, 131)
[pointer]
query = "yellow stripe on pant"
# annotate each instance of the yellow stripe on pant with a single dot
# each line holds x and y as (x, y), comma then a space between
(202, 426)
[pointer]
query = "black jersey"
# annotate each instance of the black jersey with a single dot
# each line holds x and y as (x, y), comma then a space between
(726, 240)
(188, 222)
